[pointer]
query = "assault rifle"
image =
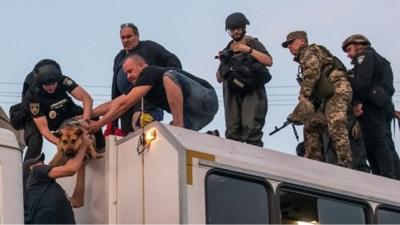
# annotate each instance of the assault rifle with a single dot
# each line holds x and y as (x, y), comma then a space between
(286, 123)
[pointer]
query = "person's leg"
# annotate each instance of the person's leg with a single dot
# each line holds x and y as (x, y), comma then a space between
(232, 108)
(359, 155)
(312, 141)
(126, 121)
(385, 158)
(329, 153)
(175, 100)
(370, 149)
(358, 150)
(100, 141)
(336, 115)
(33, 140)
(152, 113)
(389, 136)
(200, 103)
(254, 109)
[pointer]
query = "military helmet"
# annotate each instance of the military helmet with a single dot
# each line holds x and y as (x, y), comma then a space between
(355, 39)
(302, 113)
(47, 71)
(236, 20)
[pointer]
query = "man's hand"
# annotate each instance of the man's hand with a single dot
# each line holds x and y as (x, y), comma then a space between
(301, 98)
(356, 131)
(86, 142)
(92, 126)
(357, 110)
(241, 48)
(397, 114)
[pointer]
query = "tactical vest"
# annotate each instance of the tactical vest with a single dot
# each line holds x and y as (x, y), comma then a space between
(324, 88)
(242, 72)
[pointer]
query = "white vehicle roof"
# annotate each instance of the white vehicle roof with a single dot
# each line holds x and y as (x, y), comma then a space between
(284, 167)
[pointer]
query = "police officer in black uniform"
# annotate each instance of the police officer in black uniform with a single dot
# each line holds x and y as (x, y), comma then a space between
(372, 104)
(49, 104)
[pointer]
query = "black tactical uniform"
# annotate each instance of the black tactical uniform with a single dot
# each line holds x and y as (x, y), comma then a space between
(154, 54)
(32, 137)
(373, 87)
(57, 107)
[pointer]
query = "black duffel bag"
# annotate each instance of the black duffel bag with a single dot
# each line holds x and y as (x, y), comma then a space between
(17, 116)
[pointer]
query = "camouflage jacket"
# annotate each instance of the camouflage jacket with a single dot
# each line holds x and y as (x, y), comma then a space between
(314, 61)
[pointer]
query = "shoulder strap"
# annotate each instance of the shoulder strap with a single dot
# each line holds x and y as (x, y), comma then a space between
(336, 61)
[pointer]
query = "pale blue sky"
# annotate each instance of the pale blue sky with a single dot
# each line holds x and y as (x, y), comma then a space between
(83, 36)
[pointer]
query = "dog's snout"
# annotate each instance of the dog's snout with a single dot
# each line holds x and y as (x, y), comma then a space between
(69, 153)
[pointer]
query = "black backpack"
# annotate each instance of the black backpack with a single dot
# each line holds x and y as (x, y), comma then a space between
(18, 116)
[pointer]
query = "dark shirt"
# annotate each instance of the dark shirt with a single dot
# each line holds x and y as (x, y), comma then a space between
(153, 76)
(253, 43)
(57, 106)
(153, 53)
(46, 200)
(371, 69)
(29, 82)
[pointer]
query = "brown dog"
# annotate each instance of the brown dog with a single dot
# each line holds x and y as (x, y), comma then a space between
(70, 138)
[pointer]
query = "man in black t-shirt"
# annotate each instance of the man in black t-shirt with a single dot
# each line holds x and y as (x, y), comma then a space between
(154, 54)
(45, 201)
(192, 101)
(49, 103)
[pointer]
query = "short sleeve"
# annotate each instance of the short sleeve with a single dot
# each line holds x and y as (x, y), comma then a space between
(68, 83)
(41, 172)
(32, 104)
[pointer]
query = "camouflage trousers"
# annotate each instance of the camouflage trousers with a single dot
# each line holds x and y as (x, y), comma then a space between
(333, 117)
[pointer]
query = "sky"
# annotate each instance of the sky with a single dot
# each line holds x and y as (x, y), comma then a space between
(83, 37)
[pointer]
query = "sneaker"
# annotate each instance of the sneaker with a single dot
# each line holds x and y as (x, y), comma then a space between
(213, 132)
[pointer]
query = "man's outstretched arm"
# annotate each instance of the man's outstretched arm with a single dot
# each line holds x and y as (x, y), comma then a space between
(119, 106)
(78, 197)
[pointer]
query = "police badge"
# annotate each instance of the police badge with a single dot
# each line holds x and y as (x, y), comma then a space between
(360, 59)
(52, 114)
(35, 107)
(68, 82)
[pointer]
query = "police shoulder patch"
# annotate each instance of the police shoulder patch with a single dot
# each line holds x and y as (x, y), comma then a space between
(35, 108)
(52, 114)
(68, 82)
(360, 59)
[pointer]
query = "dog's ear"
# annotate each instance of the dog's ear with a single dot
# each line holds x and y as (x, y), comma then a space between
(58, 133)
(79, 131)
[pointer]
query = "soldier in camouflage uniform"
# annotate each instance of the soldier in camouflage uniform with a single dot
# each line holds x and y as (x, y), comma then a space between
(324, 83)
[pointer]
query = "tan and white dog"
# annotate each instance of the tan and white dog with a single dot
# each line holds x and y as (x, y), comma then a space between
(70, 138)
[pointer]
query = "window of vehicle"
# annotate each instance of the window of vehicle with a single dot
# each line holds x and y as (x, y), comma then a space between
(387, 216)
(236, 199)
(298, 207)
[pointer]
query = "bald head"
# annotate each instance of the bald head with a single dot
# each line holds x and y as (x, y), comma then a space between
(133, 66)
(135, 57)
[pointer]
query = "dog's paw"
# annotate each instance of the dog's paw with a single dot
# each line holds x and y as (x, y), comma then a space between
(99, 155)
(88, 156)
